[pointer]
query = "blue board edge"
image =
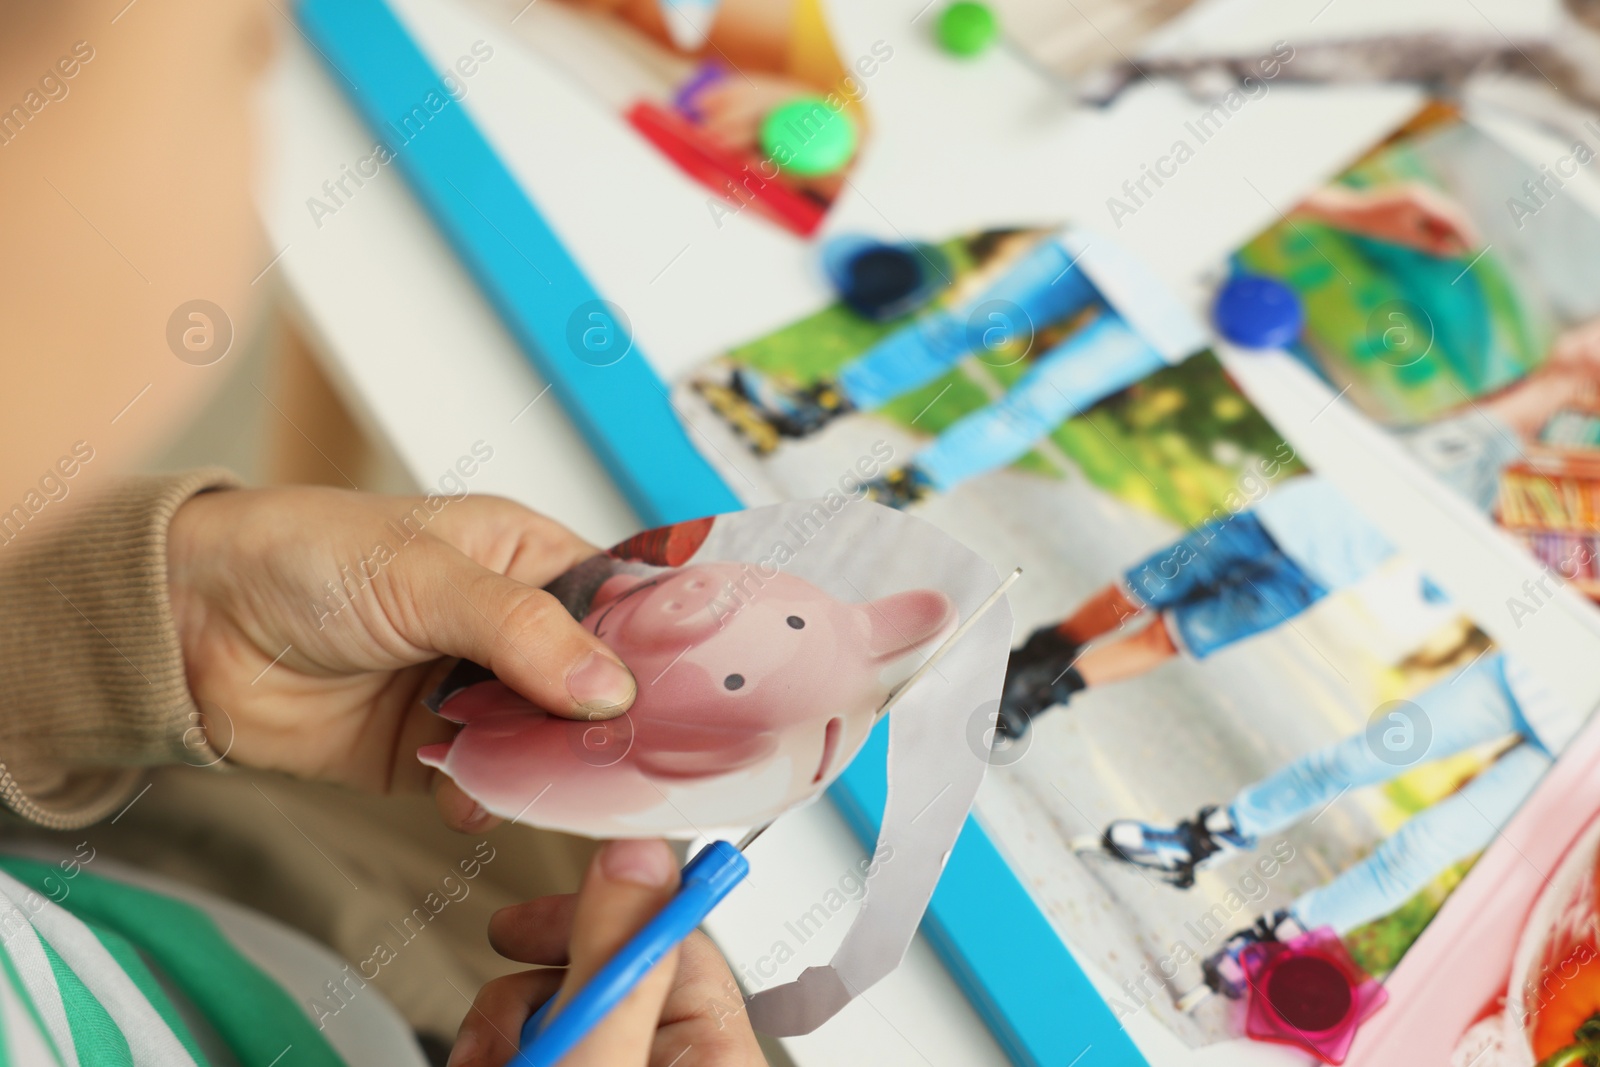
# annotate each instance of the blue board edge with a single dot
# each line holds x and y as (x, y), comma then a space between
(991, 935)
(614, 397)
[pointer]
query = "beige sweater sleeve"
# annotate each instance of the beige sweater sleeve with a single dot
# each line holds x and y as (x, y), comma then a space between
(92, 685)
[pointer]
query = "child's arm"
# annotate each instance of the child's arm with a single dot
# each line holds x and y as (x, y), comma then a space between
(289, 629)
(90, 668)
(1409, 213)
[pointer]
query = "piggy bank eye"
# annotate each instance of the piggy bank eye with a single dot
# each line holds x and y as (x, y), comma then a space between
(734, 681)
(796, 622)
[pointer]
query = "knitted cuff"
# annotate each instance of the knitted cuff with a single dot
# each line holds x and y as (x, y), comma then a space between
(92, 684)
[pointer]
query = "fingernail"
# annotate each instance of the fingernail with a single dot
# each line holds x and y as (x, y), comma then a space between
(600, 684)
(466, 1049)
(641, 862)
(475, 818)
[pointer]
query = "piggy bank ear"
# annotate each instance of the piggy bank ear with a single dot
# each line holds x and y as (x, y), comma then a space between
(897, 624)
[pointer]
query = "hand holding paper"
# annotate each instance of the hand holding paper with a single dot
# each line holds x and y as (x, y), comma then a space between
(312, 620)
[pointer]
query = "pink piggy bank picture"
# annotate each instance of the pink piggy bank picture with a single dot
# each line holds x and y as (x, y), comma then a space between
(756, 687)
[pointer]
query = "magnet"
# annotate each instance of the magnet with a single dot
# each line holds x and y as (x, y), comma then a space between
(1258, 312)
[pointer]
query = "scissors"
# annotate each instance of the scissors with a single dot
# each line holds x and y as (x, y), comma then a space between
(707, 879)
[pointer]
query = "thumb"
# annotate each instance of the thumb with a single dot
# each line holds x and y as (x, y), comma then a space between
(455, 607)
(627, 883)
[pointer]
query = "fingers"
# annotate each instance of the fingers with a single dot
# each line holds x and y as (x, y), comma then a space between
(535, 932)
(1579, 346)
(489, 1033)
(703, 1022)
(489, 603)
(448, 604)
(509, 539)
(698, 1022)
(704, 985)
(1427, 218)
(731, 116)
(1461, 232)
(461, 813)
(627, 883)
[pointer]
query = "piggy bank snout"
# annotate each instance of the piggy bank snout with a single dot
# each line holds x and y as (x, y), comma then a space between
(686, 607)
(689, 593)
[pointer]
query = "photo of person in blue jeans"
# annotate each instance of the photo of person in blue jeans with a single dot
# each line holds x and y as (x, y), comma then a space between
(1046, 286)
(1492, 699)
(1241, 575)
(1221, 582)
(1244, 573)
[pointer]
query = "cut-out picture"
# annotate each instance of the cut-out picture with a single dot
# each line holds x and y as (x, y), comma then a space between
(764, 643)
(1018, 341)
(1551, 998)
(1538, 61)
(1270, 725)
(1235, 714)
(748, 97)
(1452, 292)
(1508, 975)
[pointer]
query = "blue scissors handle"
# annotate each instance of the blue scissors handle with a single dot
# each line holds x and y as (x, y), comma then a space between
(707, 878)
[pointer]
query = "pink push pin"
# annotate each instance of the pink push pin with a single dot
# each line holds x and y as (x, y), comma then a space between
(1308, 992)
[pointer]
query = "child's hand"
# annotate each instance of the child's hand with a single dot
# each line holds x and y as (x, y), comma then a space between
(734, 107)
(686, 1013)
(313, 621)
(1410, 214)
(1578, 348)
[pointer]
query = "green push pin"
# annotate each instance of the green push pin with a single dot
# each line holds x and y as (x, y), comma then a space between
(808, 137)
(967, 28)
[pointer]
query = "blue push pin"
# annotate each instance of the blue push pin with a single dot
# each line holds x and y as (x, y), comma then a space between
(1256, 312)
(880, 281)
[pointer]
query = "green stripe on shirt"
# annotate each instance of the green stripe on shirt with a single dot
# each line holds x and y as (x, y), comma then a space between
(249, 1011)
(20, 990)
(134, 966)
(95, 1036)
